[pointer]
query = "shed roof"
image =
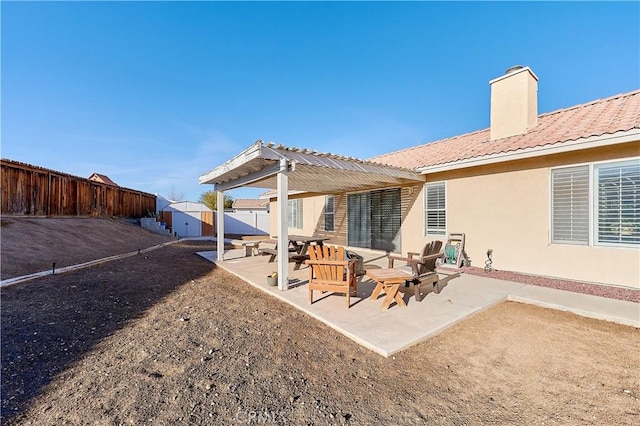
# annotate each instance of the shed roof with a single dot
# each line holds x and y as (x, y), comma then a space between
(187, 206)
(249, 203)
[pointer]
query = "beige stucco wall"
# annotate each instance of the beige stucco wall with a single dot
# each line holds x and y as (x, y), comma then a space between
(507, 208)
(509, 213)
(312, 210)
(273, 217)
(412, 229)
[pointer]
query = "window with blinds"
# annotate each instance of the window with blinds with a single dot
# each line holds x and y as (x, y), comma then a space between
(294, 213)
(570, 205)
(596, 204)
(618, 203)
(329, 213)
(435, 209)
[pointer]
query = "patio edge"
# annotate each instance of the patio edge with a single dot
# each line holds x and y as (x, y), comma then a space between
(345, 333)
(587, 313)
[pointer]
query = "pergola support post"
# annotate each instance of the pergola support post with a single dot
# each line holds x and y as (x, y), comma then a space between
(283, 228)
(220, 224)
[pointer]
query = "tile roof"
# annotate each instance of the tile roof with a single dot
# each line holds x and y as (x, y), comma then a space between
(249, 203)
(596, 118)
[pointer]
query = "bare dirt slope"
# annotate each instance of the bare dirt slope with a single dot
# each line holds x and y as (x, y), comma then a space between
(33, 244)
(167, 338)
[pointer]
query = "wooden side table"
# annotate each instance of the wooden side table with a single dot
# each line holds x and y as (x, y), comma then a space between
(388, 281)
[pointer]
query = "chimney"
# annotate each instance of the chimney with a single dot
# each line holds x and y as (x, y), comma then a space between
(514, 102)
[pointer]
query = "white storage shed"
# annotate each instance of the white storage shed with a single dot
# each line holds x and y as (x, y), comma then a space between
(188, 219)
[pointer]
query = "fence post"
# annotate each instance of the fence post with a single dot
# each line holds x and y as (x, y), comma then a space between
(48, 207)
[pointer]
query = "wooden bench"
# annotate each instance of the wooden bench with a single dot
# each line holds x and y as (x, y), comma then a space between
(270, 251)
(251, 248)
(299, 259)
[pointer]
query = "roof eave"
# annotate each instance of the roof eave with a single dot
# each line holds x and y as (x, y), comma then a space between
(538, 151)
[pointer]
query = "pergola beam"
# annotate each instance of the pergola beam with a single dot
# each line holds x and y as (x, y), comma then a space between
(248, 179)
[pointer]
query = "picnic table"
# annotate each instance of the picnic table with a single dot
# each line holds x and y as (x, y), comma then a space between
(298, 248)
(301, 243)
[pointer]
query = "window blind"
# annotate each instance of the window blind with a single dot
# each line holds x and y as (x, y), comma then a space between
(359, 220)
(618, 203)
(435, 209)
(570, 205)
(329, 212)
(294, 213)
(386, 219)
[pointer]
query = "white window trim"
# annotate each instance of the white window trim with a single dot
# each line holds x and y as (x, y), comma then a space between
(593, 207)
(424, 209)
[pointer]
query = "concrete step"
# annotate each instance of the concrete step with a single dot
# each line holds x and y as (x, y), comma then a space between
(152, 225)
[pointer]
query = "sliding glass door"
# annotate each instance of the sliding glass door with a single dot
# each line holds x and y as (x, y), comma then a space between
(359, 220)
(373, 220)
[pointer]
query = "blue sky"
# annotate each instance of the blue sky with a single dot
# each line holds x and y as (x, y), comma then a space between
(155, 94)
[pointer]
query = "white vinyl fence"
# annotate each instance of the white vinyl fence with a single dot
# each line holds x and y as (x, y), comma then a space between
(246, 223)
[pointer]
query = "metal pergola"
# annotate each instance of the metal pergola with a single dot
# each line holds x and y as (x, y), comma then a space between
(294, 169)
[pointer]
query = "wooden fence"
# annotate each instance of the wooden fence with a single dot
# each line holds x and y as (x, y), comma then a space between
(32, 190)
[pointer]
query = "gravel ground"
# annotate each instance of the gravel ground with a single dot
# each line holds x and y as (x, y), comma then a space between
(611, 292)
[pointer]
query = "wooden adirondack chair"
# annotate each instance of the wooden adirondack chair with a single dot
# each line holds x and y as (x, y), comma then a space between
(422, 262)
(329, 271)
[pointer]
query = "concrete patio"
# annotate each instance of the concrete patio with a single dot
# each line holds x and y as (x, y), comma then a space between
(389, 331)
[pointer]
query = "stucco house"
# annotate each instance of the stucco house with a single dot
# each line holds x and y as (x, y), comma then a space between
(554, 194)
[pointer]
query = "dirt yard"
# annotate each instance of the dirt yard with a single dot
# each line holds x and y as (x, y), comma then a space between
(167, 338)
(33, 244)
